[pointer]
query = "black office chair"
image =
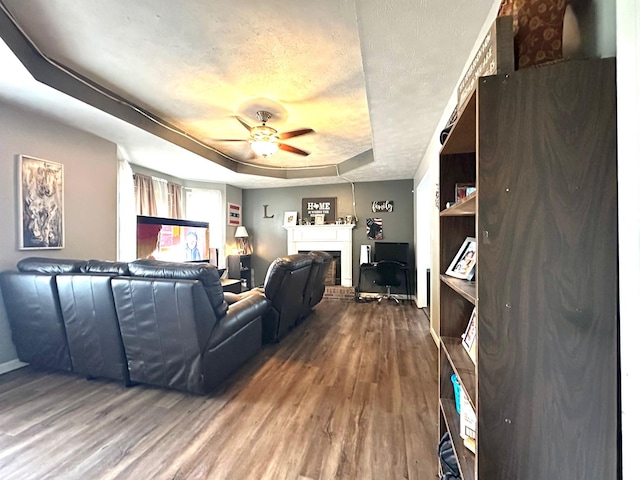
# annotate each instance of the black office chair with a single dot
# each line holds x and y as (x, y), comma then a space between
(388, 275)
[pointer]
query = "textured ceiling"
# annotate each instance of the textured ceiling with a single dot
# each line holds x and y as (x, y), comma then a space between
(370, 77)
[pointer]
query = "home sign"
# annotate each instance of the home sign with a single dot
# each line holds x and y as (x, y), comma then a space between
(320, 206)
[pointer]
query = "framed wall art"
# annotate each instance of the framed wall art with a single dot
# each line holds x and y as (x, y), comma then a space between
(41, 204)
(234, 214)
(320, 206)
(374, 229)
(382, 206)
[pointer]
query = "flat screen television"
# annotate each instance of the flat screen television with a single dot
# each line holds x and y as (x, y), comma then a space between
(396, 251)
(173, 240)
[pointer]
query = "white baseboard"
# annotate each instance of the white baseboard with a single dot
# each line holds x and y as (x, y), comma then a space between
(11, 365)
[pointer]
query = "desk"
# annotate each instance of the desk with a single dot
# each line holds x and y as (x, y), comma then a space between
(367, 285)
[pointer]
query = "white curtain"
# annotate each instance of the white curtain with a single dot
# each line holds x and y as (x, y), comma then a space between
(144, 195)
(161, 196)
(156, 197)
(205, 205)
(126, 212)
(174, 196)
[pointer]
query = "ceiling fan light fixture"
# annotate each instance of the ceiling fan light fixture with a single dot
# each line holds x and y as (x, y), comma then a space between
(264, 148)
(264, 140)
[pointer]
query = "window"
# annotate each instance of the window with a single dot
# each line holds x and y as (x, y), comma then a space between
(205, 205)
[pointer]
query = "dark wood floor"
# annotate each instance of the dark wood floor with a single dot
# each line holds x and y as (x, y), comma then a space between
(350, 394)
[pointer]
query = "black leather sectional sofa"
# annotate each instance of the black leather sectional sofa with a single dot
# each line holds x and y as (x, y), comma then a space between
(158, 323)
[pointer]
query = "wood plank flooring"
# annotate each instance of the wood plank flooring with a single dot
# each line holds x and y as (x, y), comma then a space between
(351, 393)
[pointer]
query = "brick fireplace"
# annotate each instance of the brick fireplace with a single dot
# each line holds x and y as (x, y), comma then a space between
(330, 238)
(332, 276)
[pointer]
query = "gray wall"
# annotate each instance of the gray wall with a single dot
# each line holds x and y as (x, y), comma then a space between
(90, 170)
(269, 238)
(597, 23)
(233, 195)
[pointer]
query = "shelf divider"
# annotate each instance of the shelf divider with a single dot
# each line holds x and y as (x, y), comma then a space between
(464, 208)
(462, 365)
(466, 288)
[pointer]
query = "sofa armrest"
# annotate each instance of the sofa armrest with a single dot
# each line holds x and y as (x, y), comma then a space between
(240, 313)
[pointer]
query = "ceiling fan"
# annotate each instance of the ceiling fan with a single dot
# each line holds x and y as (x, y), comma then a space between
(265, 141)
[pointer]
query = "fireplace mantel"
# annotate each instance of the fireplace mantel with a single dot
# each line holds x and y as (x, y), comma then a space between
(324, 237)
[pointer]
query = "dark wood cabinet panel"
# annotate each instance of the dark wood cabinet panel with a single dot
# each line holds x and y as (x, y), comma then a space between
(547, 273)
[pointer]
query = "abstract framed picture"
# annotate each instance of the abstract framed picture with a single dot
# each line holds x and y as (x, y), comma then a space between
(41, 204)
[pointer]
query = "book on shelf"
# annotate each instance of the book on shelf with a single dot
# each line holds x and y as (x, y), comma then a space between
(470, 443)
(470, 335)
(467, 418)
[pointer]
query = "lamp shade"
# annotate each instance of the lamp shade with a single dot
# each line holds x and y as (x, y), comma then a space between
(241, 232)
(264, 148)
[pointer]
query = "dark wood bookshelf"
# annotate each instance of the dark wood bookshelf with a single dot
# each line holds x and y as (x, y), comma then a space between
(540, 146)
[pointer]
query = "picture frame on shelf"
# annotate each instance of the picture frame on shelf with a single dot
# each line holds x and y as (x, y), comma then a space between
(470, 335)
(464, 262)
(318, 219)
(463, 190)
(290, 218)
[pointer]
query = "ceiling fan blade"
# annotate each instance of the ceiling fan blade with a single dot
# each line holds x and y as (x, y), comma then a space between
(244, 124)
(289, 148)
(228, 140)
(296, 133)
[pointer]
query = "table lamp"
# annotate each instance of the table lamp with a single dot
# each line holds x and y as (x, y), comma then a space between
(241, 239)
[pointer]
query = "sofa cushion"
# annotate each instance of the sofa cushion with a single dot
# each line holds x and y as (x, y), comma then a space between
(105, 266)
(203, 272)
(51, 266)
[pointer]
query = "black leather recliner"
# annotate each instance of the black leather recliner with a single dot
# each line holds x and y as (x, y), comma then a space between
(316, 286)
(284, 287)
(89, 315)
(177, 329)
(33, 309)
